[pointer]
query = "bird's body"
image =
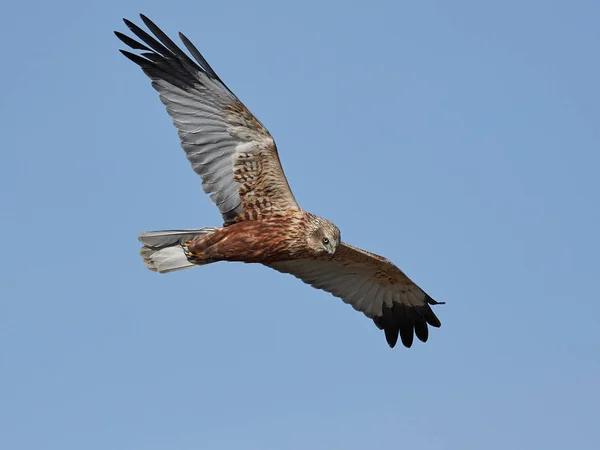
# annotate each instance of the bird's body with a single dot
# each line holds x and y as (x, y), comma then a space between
(279, 238)
(238, 162)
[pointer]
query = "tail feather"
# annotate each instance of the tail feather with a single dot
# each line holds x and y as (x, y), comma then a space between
(163, 251)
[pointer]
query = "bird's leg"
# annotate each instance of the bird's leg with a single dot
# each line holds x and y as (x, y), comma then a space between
(201, 249)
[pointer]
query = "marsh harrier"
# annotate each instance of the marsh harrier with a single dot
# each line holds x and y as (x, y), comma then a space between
(237, 159)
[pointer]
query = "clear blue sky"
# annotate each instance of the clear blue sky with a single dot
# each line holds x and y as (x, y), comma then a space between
(460, 139)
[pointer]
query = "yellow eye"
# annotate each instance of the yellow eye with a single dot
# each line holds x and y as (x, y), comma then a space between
(325, 241)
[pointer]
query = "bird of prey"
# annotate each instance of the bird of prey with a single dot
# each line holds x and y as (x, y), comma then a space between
(237, 160)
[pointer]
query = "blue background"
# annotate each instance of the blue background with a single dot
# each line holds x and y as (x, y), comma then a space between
(460, 139)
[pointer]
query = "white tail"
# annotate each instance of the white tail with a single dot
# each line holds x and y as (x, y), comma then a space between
(163, 250)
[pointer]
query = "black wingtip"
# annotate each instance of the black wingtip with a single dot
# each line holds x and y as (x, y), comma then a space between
(198, 56)
(142, 62)
(129, 23)
(391, 336)
(431, 301)
(132, 43)
(147, 21)
(421, 330)
(407, 334)
(170, 63)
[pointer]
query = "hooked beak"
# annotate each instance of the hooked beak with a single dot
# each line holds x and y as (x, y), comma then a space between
(332, 250)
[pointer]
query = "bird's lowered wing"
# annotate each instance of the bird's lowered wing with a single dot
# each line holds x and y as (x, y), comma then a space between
(228, 147)
(372, 285)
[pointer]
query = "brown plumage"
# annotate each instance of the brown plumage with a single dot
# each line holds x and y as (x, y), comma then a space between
(237, 159)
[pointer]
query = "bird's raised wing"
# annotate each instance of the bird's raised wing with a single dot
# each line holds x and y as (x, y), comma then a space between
(228, 147)
(372, 285)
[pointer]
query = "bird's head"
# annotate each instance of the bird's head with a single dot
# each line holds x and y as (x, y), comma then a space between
(324, 236)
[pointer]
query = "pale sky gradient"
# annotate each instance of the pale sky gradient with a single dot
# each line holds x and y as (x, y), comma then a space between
(459, 139)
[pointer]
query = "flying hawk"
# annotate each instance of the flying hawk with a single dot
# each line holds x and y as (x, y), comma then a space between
(237, 159)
